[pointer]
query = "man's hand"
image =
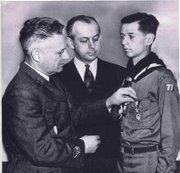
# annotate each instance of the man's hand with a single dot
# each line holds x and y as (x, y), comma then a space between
(91, 143)
(120, 96)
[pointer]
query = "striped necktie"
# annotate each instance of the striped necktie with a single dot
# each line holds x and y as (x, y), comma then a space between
(88, 78)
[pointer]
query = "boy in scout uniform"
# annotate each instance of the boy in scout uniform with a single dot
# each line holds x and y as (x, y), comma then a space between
(150, 126)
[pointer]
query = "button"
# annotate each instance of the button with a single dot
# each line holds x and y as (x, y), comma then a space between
(76, 152)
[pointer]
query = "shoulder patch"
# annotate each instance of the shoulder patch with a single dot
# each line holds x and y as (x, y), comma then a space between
(169, 87)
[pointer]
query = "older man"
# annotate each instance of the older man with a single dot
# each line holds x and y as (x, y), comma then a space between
(37, 119)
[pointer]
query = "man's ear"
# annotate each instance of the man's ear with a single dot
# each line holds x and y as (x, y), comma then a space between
(70, 42)
(150, 39)
(36, 53)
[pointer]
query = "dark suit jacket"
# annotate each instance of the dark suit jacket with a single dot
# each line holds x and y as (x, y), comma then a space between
(31, 108)
(108, 80)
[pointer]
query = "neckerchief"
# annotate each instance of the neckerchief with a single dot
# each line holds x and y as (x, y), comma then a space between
(144, 66)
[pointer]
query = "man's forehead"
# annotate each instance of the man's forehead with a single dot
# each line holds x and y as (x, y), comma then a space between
(83, 29)
(55, 39)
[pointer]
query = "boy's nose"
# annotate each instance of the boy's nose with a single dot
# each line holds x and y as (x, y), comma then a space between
(124, 41)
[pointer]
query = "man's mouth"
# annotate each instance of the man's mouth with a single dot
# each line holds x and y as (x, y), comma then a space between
(92, 53)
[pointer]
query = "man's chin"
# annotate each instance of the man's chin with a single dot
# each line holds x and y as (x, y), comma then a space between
(91, 58)
(60, 69)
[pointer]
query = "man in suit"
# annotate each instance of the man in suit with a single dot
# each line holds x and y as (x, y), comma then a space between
(88, 78)
(37, 119)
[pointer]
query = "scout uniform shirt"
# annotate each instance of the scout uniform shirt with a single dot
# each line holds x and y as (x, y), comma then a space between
(153, 120)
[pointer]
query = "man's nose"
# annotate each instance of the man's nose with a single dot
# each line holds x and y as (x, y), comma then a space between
(91, 44)
(65, 57)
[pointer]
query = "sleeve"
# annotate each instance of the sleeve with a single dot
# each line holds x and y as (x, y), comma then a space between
(27, 126)
(170, 124)
(93, 113)
(88, 112)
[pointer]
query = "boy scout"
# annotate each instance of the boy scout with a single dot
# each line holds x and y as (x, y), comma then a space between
(150, 126)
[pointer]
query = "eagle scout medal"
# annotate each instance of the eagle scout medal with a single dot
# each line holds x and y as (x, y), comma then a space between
(138, 116)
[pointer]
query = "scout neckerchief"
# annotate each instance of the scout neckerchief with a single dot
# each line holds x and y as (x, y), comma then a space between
(148, 64)
(134, 73)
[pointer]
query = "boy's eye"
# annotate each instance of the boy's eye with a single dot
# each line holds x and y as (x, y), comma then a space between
(122, 36)
(131, 36)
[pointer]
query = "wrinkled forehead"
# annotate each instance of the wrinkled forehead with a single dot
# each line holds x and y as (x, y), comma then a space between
(56, 40)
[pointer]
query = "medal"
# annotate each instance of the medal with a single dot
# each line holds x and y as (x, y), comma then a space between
(138, 116)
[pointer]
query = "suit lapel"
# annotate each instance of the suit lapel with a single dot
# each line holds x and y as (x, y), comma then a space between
(75, 77)
(77, 80)
(101, 74)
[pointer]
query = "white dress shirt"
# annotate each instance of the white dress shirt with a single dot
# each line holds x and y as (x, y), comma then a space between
(80, 66)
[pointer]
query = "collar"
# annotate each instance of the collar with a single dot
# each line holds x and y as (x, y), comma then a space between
(147, 64)
(40, 73)
(80, 66)
(154, 65)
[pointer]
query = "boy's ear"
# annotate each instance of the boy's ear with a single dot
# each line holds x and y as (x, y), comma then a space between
(150, 39)
(70, 42)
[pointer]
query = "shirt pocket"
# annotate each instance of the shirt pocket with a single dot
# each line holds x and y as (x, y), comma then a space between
(145, 117)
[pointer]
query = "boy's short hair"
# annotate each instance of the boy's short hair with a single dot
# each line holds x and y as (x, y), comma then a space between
(147, 22)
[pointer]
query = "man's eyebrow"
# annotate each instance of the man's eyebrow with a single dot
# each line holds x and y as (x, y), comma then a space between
(89, 37)
(84, 37)
(96, 35)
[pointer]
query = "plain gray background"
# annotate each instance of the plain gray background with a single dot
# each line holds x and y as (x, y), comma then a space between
(107, 13)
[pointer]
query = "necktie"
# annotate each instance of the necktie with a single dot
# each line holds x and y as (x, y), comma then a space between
(88, 78)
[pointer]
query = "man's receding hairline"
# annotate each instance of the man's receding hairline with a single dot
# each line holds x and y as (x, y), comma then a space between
(92, 21)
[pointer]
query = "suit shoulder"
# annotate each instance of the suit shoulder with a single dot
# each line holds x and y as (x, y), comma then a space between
(21, 82)
(110, 65)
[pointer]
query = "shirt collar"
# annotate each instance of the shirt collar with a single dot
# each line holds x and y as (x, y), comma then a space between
(40, 73)
(80, 66)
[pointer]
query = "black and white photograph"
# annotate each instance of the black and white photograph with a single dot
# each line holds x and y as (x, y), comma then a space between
(90, 86)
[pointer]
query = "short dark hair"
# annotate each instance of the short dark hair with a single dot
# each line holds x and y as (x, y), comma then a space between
(81, 18)
(147, 22)
(38, 27)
